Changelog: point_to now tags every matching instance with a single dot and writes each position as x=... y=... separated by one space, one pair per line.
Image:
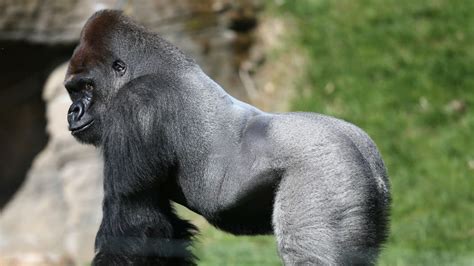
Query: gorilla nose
x=75 y=112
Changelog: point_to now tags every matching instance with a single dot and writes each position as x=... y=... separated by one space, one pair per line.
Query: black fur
x=139 y=225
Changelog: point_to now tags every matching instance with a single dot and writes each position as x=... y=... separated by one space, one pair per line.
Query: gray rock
x=56 y=213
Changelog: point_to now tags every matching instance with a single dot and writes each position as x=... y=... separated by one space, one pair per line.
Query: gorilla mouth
x=81 y=128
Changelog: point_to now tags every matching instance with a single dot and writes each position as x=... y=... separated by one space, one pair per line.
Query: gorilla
x=168 y=133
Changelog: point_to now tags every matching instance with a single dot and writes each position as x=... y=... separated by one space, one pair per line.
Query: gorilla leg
x=302 y=233
x=324 y=220
x=143 y=232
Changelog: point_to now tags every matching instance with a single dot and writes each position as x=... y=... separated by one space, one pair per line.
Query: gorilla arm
x=139 y=225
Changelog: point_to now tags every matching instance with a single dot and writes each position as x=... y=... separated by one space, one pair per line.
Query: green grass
x=396 y=68
x=214 y=247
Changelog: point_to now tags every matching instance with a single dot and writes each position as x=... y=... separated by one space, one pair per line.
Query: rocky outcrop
x=57 y=210
x=24 y=67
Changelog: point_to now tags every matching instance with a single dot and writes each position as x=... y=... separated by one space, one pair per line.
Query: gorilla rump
x=170 y=133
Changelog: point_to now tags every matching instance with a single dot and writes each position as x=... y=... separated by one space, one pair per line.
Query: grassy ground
x=213 y=247
x=402 y=70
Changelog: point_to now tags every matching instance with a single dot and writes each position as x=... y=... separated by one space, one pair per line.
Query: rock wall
x=54 y=216
x=24 y=67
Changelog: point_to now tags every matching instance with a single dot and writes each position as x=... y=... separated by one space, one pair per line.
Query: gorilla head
x=113 y=50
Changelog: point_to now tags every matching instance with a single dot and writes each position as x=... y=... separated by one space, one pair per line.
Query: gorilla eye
x=119 y=66
x=89 y=87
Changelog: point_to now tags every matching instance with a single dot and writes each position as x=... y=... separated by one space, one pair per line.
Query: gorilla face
x=83 y=119
x=90 y=89
x=95 y=73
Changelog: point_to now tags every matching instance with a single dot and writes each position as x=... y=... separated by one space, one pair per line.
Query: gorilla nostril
x=76 y=111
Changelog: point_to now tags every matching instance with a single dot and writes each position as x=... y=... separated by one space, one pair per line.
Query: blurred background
x=402 y=70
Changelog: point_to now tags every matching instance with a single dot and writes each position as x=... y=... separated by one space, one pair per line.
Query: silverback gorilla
x=168 y=133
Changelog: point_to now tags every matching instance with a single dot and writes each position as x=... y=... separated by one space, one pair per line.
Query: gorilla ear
x=119 y=66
